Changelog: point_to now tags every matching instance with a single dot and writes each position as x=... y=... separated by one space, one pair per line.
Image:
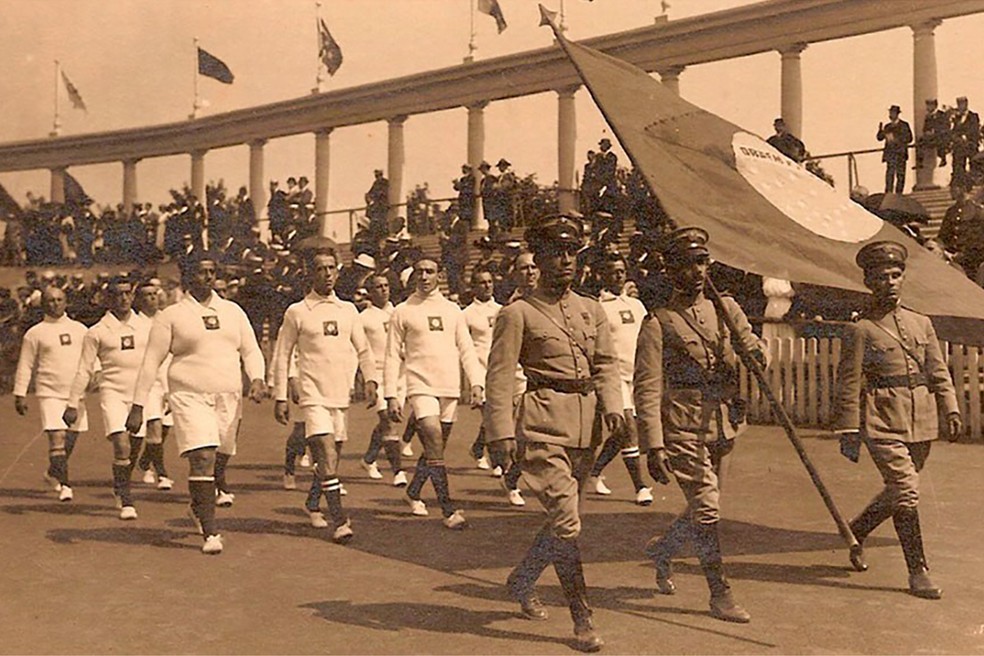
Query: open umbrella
x=896 y=209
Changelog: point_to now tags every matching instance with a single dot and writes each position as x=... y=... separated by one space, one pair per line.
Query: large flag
x=211 y=66
x=74 y=193
x=8 y=206
x=765 y=213
x=329 y=52
x=492 y=8
x=73 y=93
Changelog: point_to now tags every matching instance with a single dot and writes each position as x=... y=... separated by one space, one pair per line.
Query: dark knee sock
x=420 y=476
x=70 y=440
x=375 y=443
x=332 y=489
x=293 y=449
x=146 y=457
x=157 y=459
x=393 y=455
x=608 y=453
x=135 y=444
x=58 y=467
x=630 y=457
x=202 y=491
x=439 y=477
x=221 y=461
x=121 y=481
x=478 y=446
x=410 y=429
x=512 y=476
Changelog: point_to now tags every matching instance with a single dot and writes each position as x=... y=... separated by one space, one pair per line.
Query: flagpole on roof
x=470 y=57
x=320 y=79
x=56 y=125
x=196 y=105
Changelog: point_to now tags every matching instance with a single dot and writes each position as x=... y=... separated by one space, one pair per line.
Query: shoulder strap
x=537 y=306
x=905 y=347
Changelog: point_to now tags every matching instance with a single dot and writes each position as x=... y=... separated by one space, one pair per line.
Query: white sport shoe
x=65 y=493
x=597 y=485
x=148 y=477
x=644 y=496
x=400 y=479
x=516 y=498
x=318 y=519
x=128 y=512
x=483 y=463
x=213 y=545
x=306 y=461
x=456 y=520
x=52 y=482
x=164 y=483
x=407 y=450
x=497 y=471
x=372 y=469
x=343 y=533
x=197 y=523
x=224 y=499
x=290 y=482
x=417 y=507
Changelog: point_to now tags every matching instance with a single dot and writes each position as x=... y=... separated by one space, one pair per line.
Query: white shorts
x=321 y=420
x=444 y=407
x=168 y=418
x=154 y=408
x=628 y=400
x=115 y=408
x=51 y=415
x=206 y=420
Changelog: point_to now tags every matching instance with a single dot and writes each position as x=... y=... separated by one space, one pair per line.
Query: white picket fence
x=802 y=373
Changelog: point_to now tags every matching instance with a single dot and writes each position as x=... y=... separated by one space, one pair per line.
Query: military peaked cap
x=555 y=228
x=686 y=243
x=882 y=253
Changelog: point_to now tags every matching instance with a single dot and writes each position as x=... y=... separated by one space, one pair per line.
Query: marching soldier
x=564 y=345
x=890 y=371
x=685 y=397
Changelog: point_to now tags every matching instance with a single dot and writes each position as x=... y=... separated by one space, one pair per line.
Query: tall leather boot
x=522 y=580
x=567 y=563
x=910 y=535
x=661 y=550
x=870 y=518
x=723 y=604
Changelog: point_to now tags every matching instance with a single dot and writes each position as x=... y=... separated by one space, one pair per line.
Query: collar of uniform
x=63 y=318
x=313 y=298
x=110 y=320
x=549 y=296
x=605 y=295
x=680 y=301
x=434 y=294
x=212 y=299
x=491 y=301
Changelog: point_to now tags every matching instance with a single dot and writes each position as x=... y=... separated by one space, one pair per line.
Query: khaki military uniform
x=685 y=394
x=891 y=380
x=565 y=349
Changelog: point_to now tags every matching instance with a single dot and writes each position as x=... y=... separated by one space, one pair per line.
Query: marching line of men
x=559 y=370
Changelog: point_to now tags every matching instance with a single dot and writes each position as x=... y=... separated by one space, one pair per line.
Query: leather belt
x=562 y=385
x=909 y=381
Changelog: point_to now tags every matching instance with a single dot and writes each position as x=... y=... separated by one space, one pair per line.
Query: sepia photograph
x=491 y=326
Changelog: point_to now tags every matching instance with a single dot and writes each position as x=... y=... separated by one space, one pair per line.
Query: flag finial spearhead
x=548 y=18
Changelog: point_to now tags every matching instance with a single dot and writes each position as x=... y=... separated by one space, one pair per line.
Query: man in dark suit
x=897 y=136
x=465 y=186
x=785 y=142
x=965 y=135
x=936 y=133
x=377 y=205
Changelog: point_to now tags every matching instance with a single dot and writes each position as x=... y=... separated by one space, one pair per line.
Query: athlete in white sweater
x=50 y=351
x=425 y=331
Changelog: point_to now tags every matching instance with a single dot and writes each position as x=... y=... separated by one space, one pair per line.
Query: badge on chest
x=65 y=339
x=211 y=322
x=626 y=316
x=330 y=328
x=126 y=343
x=435 y=324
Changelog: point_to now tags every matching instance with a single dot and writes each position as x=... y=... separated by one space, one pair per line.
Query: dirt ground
x=75 y=579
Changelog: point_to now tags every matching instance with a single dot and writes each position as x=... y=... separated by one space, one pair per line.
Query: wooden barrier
x=803 y=375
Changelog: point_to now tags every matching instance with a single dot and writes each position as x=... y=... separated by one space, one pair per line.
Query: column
x=566 y=142
x=258 y=189
x=198 y=176
x=670 y=77
x=322 y=152
x=791 y=88
x=395 y=157
x=923 y=89
x=129 y=184
x=58 y=184
x=476 y=153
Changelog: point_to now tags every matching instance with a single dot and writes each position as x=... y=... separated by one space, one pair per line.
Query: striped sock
x=202 y=491
x=121 y=481
x=630 y=457
x=332 y=489
x=439 y=476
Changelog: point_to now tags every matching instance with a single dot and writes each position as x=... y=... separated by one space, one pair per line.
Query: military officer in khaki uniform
x=891 y=380
x=688 y=410
x=563 y=342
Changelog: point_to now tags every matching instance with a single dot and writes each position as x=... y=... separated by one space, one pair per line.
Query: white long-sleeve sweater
x=429 y=331
x=51 y=351
x=118 y=347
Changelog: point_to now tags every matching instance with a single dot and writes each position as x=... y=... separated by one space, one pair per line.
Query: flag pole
x=470 y=57
x=56 y=124
x=196 y=105
x=320 y=78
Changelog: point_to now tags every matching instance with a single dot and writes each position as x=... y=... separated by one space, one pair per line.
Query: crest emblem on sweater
x=626 y=316
x=330 y=328
x=211 y=322
x=126 y=343
x=65 y=339
x=435 y=323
